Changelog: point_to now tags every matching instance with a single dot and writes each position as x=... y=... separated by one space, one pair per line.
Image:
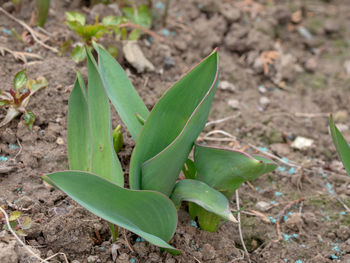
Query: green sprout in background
x=164 y=139
x=109 y=25
x=340 y=144
x=15 y=100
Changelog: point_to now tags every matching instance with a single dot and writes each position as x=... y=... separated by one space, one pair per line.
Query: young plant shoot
x=340 y=144
x=164 y=139
x=16 y=99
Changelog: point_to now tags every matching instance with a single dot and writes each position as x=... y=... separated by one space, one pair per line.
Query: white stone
x=302 y=143
x=263 y=206
x=136 y=58
x=225 y=85
x=234 y=104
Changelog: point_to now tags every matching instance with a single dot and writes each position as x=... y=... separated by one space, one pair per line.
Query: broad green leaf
x=76 y=27
x=76 y=17
x=105 y=162
x=14 y=215
x=226 y=169
x=148 y=214
x=112 y=50
x=78 y=54
x=172 y=127
x=203 y=195
x=121 y=92
x=143 y=17
x=19 y=80
x=43 y=10
x=341 y=145
x=29 y=119
x=79 y=133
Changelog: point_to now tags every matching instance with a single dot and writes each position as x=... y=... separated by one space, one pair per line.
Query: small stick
x=240 y=228
x=222 y=120
x=344 y=205
x=197 y=260
x=147 y=31
x=274 y=156
x=30 y=30
x=127 y=241
x=257 y=213
x=278 y=223
x=20 y=149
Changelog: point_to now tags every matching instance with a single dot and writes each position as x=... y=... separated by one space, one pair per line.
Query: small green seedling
x=41 y=11
x=118 y=140
x=16 y=99
x=340 y=144
x=164 y=139
x=88 y=33
x=18 y=223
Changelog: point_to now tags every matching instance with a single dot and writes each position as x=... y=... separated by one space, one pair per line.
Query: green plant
x=163 y=143
x=76 y=21
x=18 y=223
x=16 y=99
x=340 y=144
x=41 y=12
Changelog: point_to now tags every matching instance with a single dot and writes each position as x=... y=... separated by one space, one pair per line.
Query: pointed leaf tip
x=233 y=219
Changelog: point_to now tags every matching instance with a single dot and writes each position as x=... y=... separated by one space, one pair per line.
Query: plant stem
x=114 y=231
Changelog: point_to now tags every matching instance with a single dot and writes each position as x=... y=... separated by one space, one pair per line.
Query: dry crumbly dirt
x=309 y=79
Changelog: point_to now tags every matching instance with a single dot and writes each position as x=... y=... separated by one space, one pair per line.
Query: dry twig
x=30 y=30
x=19 y=55
x=278 y=223
x=240 y=227
x=27 y=247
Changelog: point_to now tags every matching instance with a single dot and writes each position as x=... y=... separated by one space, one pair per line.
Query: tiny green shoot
x=15 y=100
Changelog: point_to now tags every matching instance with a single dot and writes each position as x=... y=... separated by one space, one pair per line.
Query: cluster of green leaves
x=110 y=24
x=18 y=223
x=341 y=145
x=16 y=99
x=163 y=143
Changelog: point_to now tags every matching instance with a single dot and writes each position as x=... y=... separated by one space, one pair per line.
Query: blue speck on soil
x=336 y=248
x=263 y=149
x=285 y=259
x=285 y=218
x=140 y=239
x=6 y=31
x=291 y=171
x=193 y=223
x=273 y=221
x=278 y=194
x=132 y=260
x=165 y=32
x=13 y=146
x=330 y=188
x=290 y=213
x=299 y=261
x=302 y=245
x=29 y=50
x=281 y=168
x=3 y=158
x=273 y=202
x=287 y=237
x=160 y=5
x=343 y=213
x=150 y=39
x=334 y=256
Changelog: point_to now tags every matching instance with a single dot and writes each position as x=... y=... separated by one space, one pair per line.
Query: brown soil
x=271 y=108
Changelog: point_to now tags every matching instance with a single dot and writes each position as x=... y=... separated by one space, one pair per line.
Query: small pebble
x=262 y=89
x=302 y=143
x=263 y=206
x=264 y=101
x=59 y=141
x=234 y=104
x=225 y=85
